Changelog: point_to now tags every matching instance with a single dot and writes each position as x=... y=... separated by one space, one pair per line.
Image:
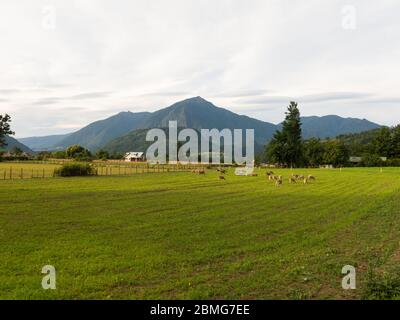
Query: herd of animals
x=278 y=179
x=292 y=179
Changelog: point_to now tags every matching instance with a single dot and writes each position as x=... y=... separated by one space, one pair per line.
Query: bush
x=371 y=160
x=393 y=162
x=76 y=170
x=382 y=286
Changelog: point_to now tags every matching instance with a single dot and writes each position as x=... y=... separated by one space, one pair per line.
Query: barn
x=134 y=157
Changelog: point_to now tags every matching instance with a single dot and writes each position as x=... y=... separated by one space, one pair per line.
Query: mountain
x=98 y=133
x=14 y=143
x=195 y=113
x=42 y=143
x=198 y=113
x=332 y=126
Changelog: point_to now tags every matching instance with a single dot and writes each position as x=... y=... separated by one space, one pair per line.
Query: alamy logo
x=210 y=139
x=349 y=280
x=49 y=280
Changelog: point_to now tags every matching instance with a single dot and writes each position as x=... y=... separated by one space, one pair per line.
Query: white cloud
x=101 y=57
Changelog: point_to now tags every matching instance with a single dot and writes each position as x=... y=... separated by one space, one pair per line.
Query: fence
x=14 y=172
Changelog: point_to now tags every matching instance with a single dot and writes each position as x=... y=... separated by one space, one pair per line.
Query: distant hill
x=133 y=141
x=332 y=126
x=13 y=143
x=98 y=133
x=361 y=142
x=42 y=143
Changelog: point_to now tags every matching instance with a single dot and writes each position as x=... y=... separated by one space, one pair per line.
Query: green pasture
x=187 y=236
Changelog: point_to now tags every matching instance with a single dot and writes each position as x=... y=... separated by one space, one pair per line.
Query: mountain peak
x=193 y=101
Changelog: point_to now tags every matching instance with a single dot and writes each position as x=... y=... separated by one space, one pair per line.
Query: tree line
x=79 y=153
x=75 y=152
x=286 y=149
x=377 y=147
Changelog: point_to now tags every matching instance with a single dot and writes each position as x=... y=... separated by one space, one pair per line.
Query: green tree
x=102 y=155
x=74 y=150
x=78 y=153
x=336 y=153
x=5 y=128
x=371 y=160
x=43 y=155
x=314 y=151
x=59 y=154
x=395 y=143
x=287 y=146
x=276 y=150
x=116 y=156
x=291 y=130
x=382 y=144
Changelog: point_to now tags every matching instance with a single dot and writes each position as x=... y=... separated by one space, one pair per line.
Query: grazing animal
x=301 y=177
x=201 y=172
x=305 y=180
x=221 y=178
x=254 y=175
x=278 y=182
x=310 y=177
x=292 y=180
x=223 y=171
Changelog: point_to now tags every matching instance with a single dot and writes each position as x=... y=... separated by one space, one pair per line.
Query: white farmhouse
x=134 y=157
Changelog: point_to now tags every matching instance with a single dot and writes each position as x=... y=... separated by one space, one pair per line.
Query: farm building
x=134 y=157
x=360 y=159
x=355 y=159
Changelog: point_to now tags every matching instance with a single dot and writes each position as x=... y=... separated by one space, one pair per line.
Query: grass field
x=185 y=236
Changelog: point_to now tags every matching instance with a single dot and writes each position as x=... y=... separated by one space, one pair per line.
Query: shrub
x=382 y=286
x=76 y=170
x=371 y=160
x=393 y=162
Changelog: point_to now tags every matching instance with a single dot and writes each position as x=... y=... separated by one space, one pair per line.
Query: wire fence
x=42 y=171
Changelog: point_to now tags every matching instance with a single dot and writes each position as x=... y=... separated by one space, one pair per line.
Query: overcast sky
x=66 y=63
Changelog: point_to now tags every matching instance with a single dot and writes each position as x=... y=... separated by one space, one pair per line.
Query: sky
x=66 y=63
